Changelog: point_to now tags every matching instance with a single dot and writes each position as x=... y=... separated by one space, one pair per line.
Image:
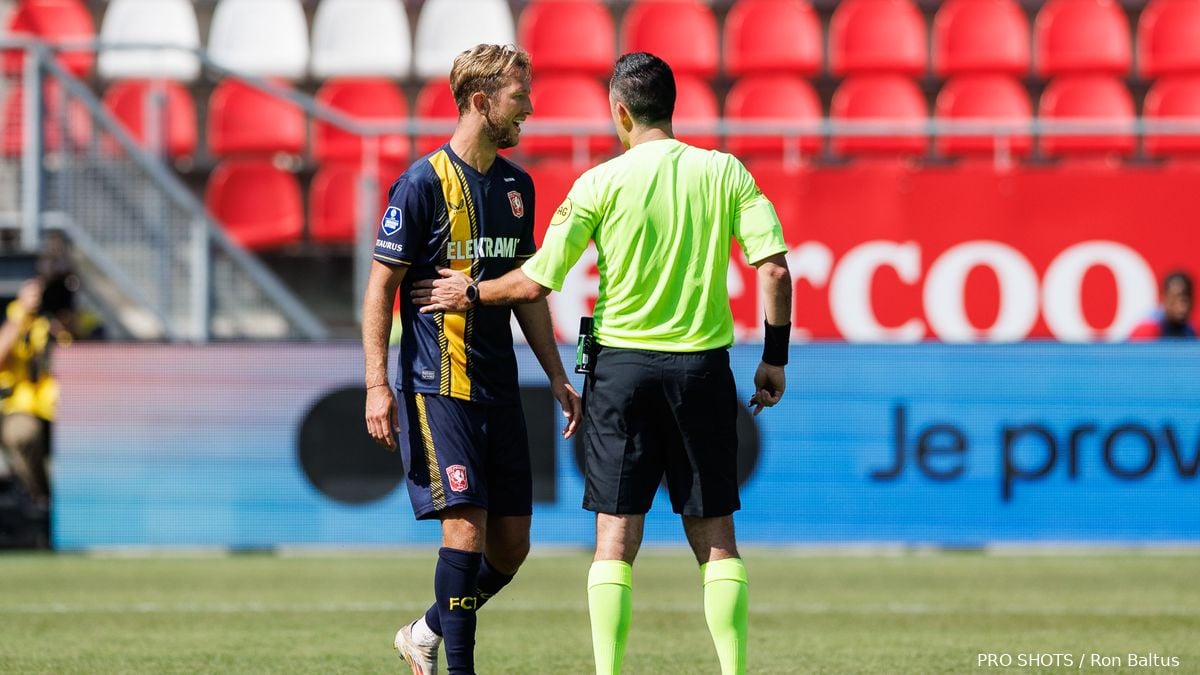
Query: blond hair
x=484 y=68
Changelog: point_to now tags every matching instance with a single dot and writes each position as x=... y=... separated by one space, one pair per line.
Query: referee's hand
x=769 y=383
x=381 y=416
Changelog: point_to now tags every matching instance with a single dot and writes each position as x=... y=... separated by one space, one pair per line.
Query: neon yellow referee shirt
x=662 y=215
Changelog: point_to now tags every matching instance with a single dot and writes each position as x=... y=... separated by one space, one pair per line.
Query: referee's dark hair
x=645 y=84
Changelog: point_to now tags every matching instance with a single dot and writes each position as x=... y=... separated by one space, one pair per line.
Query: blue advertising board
x=252 y=446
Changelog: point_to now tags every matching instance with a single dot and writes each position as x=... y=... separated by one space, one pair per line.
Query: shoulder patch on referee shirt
x=561 y=213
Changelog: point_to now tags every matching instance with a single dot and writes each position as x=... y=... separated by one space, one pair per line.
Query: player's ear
x=480 y=102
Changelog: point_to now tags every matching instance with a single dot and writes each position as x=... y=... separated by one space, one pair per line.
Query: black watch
x=472 y=293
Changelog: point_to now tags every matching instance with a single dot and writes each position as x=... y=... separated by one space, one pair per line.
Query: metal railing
x=157 y=261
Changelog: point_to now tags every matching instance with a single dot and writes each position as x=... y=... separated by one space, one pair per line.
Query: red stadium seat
x=367 y=99
x=1087 y=98
x=55 y=21
x=772 y=37
x=882 y=98
x=242 y=119
x=1081 y=37
x=130 y=100
x=75 y=121
x=980 y=36
x=877 y=36
x=991 y=97
x=772 y=97
x=572 y=36
x=1169 y=38
x=568 y=98
x=1176 y=97
x=333 y=197
x=681 y=32
x=258 y=204
x=435 y=102
x=553 y=179
x=695 y=103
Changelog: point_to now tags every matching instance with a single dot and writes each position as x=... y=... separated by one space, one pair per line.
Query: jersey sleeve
x=755 y=225
x=571 y=228
x=404 y=228
x=528 y=246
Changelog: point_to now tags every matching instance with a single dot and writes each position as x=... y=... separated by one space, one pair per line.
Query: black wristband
x=775 y=344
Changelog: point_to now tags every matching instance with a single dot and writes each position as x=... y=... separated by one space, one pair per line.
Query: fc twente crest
x=518 y=206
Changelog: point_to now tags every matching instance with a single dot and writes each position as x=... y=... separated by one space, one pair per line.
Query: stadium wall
x=258 y=446
x=891 y=253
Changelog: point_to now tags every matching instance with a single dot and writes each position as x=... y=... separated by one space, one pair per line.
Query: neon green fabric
x=663 y=216
x=610 y=604
x=726 y=608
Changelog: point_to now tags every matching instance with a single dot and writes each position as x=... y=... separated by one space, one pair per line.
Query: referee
x=662 y=398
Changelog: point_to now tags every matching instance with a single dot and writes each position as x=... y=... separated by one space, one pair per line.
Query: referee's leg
x=726 y=596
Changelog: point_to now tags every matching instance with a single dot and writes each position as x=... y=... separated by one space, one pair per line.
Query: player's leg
x=505 y=548
x=441 y=446
x=510 y=505
x=702 y=480
x=455 y=580
x=622 y=467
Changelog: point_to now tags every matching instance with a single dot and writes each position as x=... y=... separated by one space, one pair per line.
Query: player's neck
x=658 y=132
x=474 y=149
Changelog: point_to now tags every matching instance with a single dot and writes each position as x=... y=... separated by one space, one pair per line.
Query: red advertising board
x=891 y=253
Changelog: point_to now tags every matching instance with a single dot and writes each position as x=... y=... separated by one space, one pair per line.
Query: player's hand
x=445 y=294
x=381 y=416
x=572 y=405
x=769 y=383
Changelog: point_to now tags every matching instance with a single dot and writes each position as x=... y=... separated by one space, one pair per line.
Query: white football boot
x=420 y=655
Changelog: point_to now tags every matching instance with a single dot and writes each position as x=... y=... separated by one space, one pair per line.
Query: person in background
x=30 y=392
x=1172 y=319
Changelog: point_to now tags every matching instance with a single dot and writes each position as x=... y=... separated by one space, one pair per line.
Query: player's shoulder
x=419 y=176
x=510 y=167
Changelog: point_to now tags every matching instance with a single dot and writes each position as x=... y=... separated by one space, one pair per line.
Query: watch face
x=472 y=293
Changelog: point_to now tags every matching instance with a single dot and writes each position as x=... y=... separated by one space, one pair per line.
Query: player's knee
x=509 y=557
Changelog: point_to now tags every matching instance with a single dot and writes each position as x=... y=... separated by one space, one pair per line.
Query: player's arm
x=377 y=327
x=538 y=328
x=401 y=235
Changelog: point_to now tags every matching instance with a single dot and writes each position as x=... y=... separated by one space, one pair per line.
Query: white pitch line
x=910 y=609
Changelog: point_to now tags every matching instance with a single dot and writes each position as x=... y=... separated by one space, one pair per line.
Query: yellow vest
x=26 y=371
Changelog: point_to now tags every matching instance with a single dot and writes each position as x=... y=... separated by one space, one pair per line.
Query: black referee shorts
x=649 y=414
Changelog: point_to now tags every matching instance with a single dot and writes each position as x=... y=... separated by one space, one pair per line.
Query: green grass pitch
x=914 y=613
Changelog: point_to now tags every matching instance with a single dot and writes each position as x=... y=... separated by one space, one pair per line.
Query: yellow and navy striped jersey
x=443 y=213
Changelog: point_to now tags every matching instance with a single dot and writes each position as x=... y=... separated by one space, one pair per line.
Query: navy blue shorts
x=458 y=452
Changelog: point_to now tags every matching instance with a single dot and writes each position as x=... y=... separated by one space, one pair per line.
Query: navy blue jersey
x=443 y=213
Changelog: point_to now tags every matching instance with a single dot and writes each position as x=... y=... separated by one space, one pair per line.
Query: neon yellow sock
x=610 y=604
x=726 y=605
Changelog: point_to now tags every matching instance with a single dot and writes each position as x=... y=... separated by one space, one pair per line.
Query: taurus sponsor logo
x=453 y=206
x=518 y=206
x=391 y=246
x=484 y=247
x=392 y=220
x=457 y=474
x=561 y=213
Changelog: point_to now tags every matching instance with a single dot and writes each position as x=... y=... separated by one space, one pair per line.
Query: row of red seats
x=243 y=120
x=1070 y=36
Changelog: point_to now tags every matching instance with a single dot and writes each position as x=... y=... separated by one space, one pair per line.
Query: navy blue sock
x=489 y=583
x=454 y=582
